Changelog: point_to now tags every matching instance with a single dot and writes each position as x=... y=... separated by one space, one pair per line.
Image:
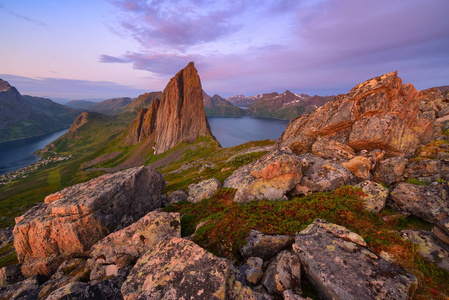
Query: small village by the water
x=25 y=171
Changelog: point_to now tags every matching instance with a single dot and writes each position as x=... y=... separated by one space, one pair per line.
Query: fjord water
x=18 y=154
x=235 y=131
x=228 y=131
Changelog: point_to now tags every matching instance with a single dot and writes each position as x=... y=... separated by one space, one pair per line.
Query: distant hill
x=27 y=116
x=107 y=107
x=217 y=106
x=116 y=105
x=285 y=106
x=143 y=101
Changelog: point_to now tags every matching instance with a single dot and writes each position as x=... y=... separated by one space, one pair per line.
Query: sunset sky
x=113 y=48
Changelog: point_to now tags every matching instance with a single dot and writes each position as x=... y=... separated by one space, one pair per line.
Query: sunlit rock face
x=380 y=113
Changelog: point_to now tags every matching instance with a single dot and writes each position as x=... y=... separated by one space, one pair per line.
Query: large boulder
x=430 y=203
x=178 y=269
x=123 y=247
x=265 y=246
x=270 y=177
x=203 y=189
x=321 y=175
x=337 y=262
x=71 y=221
x=380 y=113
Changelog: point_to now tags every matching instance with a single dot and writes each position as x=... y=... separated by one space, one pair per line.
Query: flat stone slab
x=337 y=262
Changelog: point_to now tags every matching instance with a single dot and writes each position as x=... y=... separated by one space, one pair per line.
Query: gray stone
x=376 y=195
x=337 y=262
x=27 y=289
x=178 y=269
x=283 y=273
x=10 y=275
x=328 y=148
x=429 y=247
x=390 y=171
x=177 y=196
x=6 y=236
x=431 y=168
x=254 y=271
x=265 y=246
x=322 y=175
x=70 y=271
x=430 y=203
x=441 y=230
x=271 y=177
x=203 y=190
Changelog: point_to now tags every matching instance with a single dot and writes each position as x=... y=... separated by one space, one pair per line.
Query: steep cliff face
x=380 y=113
x=181 y=116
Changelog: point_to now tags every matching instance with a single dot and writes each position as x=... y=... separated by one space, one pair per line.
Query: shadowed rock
x=74 y=219
x=337 y=263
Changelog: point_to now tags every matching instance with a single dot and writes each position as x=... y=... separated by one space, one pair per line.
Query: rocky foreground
x=108 y=239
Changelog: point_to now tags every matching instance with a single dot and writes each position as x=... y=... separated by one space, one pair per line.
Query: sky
x=100 y=49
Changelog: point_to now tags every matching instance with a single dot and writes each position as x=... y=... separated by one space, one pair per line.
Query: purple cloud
x=263 y=46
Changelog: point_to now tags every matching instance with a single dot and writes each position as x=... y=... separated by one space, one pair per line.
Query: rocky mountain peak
x=4 y=85
x=181 y=116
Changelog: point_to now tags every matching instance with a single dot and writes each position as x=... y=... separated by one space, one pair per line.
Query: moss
x=417 y=181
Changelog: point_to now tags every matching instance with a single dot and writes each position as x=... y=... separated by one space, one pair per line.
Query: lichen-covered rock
x=321 y=175
x=375 y=195
x=6 y=236
x=125 y=246
x=430 y=203
x=10 y=275
x=270 y=177
x=178 y=269
x=328 y=148
x=390 y=171
x=338 y=264
x=441 y=230
x=176 y=196
x=107 y=289
x=380 y=113
x=203 y=190
x=27 y=289
x=429 y=247
x=283 y=273
x=70 y=271
x=290 y=295
x=359 y=166
x=265 y=246
x=74 y=219
x=427 y=168
x=254 y=272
